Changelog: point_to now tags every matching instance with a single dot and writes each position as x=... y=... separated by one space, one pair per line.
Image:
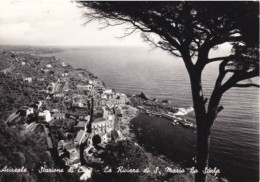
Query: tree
x=190 y=30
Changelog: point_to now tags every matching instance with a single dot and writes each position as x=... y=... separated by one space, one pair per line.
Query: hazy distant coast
x=34 y=49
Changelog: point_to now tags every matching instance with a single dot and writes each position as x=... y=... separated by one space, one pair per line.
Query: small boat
x=188 y=125
x=156 y=114
x=175 y=121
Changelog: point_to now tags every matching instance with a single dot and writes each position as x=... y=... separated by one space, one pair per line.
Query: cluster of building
x=74 y=99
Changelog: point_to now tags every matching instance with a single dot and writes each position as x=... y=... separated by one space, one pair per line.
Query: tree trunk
x=203 y=127
x=204 y=124
x=203 y=141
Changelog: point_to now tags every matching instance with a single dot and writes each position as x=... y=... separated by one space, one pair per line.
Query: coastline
x=128 y=114
x=135 y=151
x=230 y=149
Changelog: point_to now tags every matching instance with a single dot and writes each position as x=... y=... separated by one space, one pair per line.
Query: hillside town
x=78 y=118
x=72 y=107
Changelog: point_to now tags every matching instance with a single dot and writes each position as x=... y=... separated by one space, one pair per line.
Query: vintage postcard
x=137 y=91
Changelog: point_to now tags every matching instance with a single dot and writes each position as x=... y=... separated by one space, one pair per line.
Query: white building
x=104 y=96
x=101 y=125
x=27 y=79
x=64 y=74
x=84 y=87
x=45 y=70
x=111 y=117
x=58 y=95
x=96 y=83
x=105 y=113
x=79 y=104
x=63 y=64
x=51 y=88
x=48 y=66
x=121 y=98
x=108 y=92
x=40 y=79
x=44 y=116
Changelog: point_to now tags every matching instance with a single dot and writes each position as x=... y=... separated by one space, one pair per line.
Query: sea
x=234 y=145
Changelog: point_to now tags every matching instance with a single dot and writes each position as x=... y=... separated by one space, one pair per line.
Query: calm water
x=235 y=134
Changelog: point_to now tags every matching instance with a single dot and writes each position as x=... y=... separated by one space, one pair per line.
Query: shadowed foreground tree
x=190 y=30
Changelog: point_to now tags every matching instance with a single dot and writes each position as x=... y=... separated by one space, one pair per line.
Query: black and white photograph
x=129 y=91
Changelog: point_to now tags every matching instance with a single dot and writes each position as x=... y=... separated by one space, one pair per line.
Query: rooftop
x=99 y=120
x=81 y=124
x=79 y=135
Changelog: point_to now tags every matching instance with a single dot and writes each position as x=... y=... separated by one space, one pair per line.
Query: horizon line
x=89 y=45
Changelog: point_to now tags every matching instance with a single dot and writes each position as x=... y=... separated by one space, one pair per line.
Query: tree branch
x=156 y=45
x=237 y=77
x=220 y=108
x=247 y=85
x=220 y=59
x=127 y=33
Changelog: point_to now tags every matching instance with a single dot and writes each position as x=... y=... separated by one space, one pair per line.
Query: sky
x=55 y=23
x=60 y=23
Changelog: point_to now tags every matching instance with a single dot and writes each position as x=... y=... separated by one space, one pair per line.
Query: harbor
x=173 y=114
